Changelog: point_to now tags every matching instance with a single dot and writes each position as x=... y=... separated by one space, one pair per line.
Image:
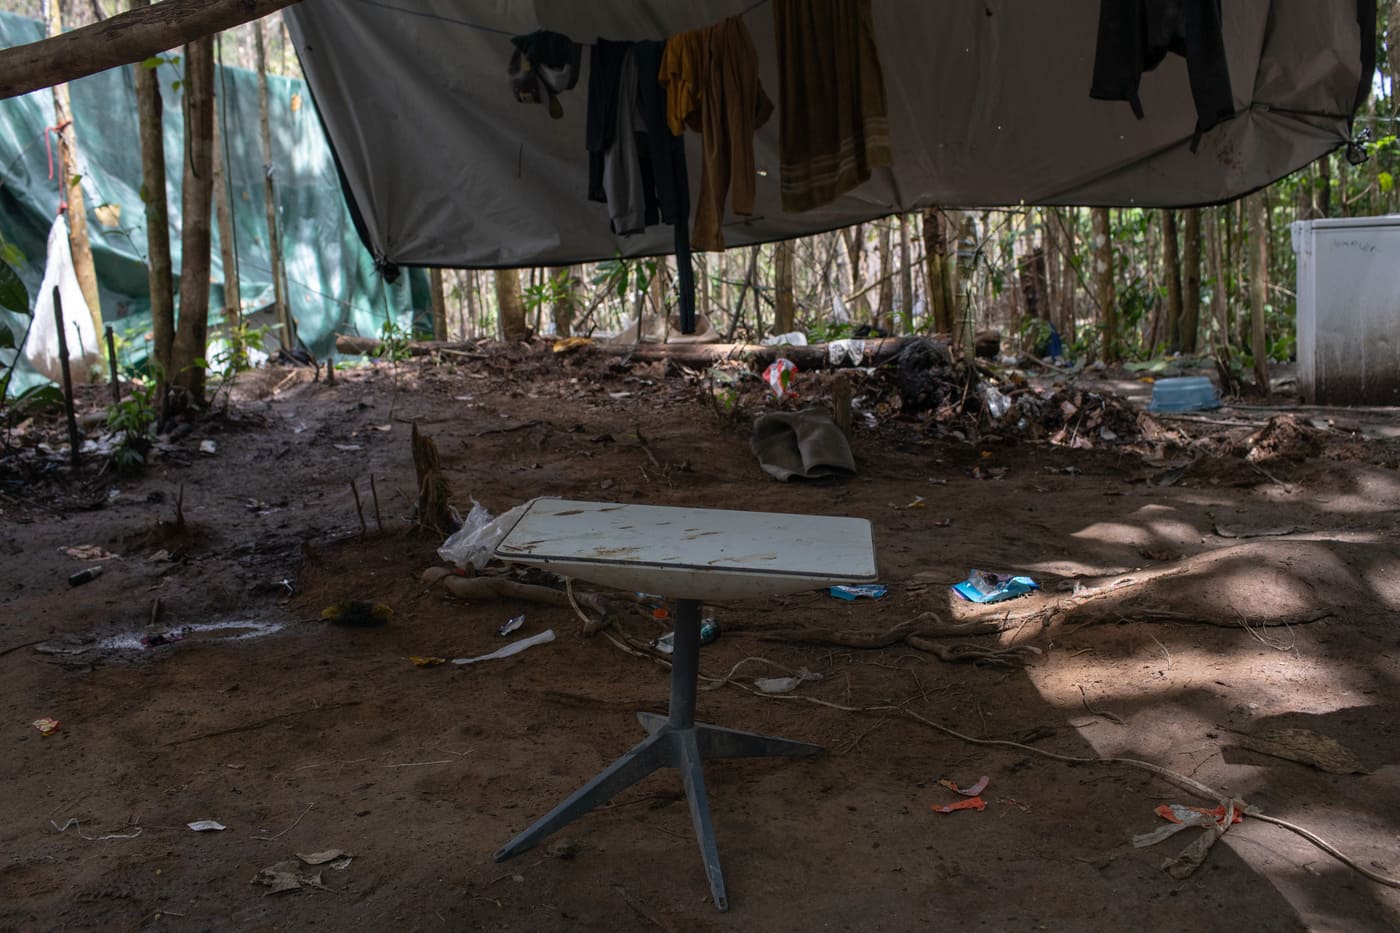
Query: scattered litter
x=841 y=352
x=998 y=403
x=917 y=503
x=161 y=638
x=329 y=857
x=779 y=375
x=47 y=726
x=1303 y=746
x=422 y=661
x=207 y=826
x=512 y=625
x=475 y=542
x=513 y=648
x=785 y=684
x=709 y=631
x=382 y=427
x=858 y=591
x=358 y=612
x=84 y=576
x=974 y=791
x=207 y=446
x=286 y=876
x=983 y=587
x=160 y=557
x=619 y=396
x=348 y=447
x=568 y=344
x=74 y=822
x=1226 y=532
x=792 y=339
x=89 y=552
x=971 y=803
x=244 y=629
x=1180 y=817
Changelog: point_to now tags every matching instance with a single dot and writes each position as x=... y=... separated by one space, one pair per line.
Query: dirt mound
x=1284 y=438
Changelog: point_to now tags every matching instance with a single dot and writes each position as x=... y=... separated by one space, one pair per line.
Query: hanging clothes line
x=491 y=29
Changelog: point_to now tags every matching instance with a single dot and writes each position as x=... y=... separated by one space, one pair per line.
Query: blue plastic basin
x=1188 y=393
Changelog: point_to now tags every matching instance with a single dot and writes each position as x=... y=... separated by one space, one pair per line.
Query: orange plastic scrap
x=973 y=791
x=1179 y=813
x=971 y=803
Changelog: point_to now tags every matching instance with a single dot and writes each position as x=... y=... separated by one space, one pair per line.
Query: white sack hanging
x=41 y=347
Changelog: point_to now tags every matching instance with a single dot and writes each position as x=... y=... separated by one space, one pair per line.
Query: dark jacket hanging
x=1136 y=35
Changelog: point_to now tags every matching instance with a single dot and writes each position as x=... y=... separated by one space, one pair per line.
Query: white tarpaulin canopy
x=988 y=104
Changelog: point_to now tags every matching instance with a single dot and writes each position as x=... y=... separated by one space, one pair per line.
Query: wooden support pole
x=74 y=442
x=112 y=362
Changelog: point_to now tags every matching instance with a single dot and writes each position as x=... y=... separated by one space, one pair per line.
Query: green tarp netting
x=332 y=283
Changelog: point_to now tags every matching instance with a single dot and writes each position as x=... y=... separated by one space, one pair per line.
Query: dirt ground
x=1200 y=582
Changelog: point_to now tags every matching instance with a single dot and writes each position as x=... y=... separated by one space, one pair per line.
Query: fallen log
x=346 y=344
x=816 y=356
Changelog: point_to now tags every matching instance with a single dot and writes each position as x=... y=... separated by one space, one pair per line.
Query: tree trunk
x=904 y=324
x=511 y=306
x=283 y=313
x=784 y=304
x=1104 y=294
x=1191 y=282
x=125 y=39
x=702 y=285
x=191 y=333
x=70 y=183
x=854 y=238
x=439 y=302
x=149 y=112
x=884 y=299
x=938 y=271
x=228 y=252
x=1323 y=199
x=964 y=323
x=1259 y=287
x=1171 y=271
x=473 y=324
x=1219 y=293
x=1069 y=272
x=566 y=307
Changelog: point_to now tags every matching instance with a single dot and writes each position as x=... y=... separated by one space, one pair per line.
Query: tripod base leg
x=655 y=751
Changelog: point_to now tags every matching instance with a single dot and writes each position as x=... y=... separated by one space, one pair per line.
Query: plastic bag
x=475 y=542
x=41 y=347
x=998 y=402
x=839 y=352
x=779 y=375
x=983 y=587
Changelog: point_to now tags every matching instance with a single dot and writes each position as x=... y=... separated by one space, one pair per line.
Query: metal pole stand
x=675 y=741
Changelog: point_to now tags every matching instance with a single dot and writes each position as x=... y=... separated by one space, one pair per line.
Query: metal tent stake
x=675 y=741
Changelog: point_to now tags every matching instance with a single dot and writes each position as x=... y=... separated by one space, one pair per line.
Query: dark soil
x=1201 y=576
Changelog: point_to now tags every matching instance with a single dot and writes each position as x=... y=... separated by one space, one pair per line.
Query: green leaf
x=1387 y=182
x=175 y=85
x=39 y=396
x=7 y=339
x=13 y=295
x=155 y=61
x=11 y=254
x=74 y=180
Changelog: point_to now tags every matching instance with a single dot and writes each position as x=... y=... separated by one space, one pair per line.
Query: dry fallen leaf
x=1303 y=746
